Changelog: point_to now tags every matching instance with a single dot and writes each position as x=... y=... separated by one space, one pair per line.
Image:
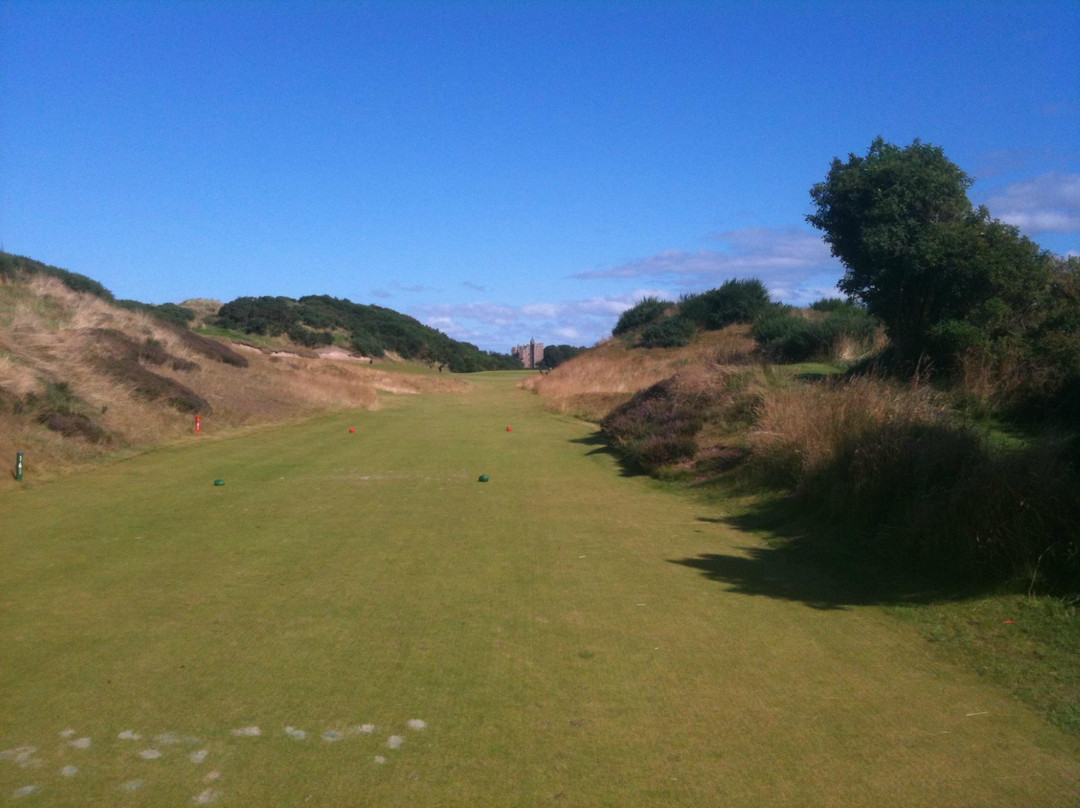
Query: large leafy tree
x=940 y=274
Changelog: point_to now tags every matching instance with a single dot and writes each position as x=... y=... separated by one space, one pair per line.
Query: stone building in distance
x=531 y=355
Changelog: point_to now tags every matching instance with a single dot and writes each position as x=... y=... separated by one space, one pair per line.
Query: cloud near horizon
x=1050 y=203
x=794 y=264
x=498 y=327
x=775 y=255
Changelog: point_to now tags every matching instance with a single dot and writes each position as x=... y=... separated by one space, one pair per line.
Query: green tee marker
x=219 y=482
x=484 y=478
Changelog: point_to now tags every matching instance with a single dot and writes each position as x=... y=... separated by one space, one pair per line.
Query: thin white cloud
x=395 y=287
x=541 y=310
x=497 y=327
x=1050 y=203
x=804 y=293
x=1009 y=161
x=794 y=264
x=767 y=253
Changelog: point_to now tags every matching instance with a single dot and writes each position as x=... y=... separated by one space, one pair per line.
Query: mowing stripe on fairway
x=354 y=619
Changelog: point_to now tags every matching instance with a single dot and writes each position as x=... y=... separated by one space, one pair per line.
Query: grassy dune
x=558 y=630
x=51 y=335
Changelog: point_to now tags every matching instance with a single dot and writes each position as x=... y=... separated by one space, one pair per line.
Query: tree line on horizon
x=311 y=321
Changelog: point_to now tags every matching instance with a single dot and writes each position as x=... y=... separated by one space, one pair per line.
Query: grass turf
x=534 y=622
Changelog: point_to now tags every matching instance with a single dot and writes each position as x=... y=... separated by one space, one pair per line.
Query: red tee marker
x=352 y=429
x=509 y=429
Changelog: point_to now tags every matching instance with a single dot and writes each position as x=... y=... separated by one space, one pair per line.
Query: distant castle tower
x=531 y=355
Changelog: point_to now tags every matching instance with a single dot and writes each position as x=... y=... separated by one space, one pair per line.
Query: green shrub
x=152 y=351
x=61 y=410
x=669 y=332
x=555 y=355
x=830 y=305
x=166 y=312
x=80 y=283
x=308 y=338
x=949 y=341
x=734 y=301
x=656 y=427
x=258 y=315
x=366 y=344
x=640 y=314
x=12 y=265
x=786 y=338
x=75 y=425
x=660 y=425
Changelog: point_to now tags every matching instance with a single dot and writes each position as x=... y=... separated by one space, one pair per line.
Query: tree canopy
x=645 y=311
x=936 y=271
x=555 y=355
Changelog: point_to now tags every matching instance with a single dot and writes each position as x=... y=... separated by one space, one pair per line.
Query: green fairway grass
x=553 y=635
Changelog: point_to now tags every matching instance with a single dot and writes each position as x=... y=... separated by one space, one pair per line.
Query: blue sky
x=505 y=170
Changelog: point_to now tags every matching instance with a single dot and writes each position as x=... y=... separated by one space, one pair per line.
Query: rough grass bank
x=886 y=484
x=82 y=379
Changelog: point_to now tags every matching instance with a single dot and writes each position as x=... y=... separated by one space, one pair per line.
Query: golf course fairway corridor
x=354 y=619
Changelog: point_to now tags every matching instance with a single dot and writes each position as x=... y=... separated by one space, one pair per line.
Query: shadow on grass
x=600 y=446
x=804 y=563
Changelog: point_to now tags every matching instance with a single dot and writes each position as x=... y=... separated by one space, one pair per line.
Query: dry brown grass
x=594 y=383
x=1000 y=382
x=903 y=482
x=799 y=427
x=204 y=308
x=50 y=334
